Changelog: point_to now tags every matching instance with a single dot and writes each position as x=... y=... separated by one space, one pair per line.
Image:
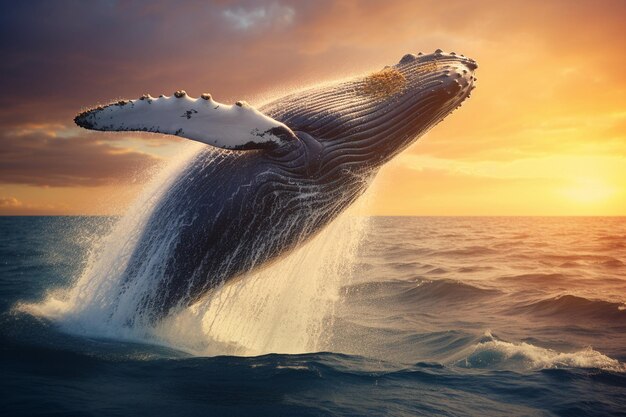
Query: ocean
x=380 y=316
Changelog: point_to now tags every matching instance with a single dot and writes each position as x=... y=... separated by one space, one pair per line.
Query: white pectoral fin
x=238 y=126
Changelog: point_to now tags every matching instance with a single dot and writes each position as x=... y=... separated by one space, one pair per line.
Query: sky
x=544 y=133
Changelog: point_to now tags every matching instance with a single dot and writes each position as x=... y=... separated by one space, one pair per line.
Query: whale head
x=369 y=119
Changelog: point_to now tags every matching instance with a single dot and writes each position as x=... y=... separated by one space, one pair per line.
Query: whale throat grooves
x=255 y=209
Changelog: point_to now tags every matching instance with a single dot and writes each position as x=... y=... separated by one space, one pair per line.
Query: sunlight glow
x=589 y=191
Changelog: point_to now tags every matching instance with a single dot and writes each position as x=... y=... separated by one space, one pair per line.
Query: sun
x=589 y=191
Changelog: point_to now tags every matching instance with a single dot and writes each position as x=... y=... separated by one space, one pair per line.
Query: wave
x=437 y=271
x=537 y=278
x=612 y=242
x=468 y=251
x=471 y=269
x=411 y=267
x=449 y=290
x=575 y=259
x=492 y=353
x=612 y=263
x=421 y=291
x=612 y=238
x=575 y=308
x=570 y=264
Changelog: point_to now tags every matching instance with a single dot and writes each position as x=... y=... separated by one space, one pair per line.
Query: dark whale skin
x=230 y=212
x=233 y=212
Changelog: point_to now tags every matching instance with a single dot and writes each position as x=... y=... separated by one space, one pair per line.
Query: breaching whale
x=284 y=172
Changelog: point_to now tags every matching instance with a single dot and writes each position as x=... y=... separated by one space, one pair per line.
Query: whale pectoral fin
x=239 y=126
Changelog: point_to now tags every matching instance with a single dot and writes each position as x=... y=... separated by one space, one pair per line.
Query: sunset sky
x=544 y=133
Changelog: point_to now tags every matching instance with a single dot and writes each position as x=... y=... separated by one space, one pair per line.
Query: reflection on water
x=437 y=286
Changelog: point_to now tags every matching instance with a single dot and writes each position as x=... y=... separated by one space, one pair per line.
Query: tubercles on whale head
x=407 y=99
x=408 y=58
x=436 y=84
x=180 y=93
x=386 y=111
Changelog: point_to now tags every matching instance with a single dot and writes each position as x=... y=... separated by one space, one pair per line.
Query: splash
x=493 y=353
x=286 y=307
x=87 y=306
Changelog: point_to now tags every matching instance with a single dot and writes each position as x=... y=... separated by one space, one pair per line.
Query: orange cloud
x=10 y=203
x=10 y=206
x=43 y=159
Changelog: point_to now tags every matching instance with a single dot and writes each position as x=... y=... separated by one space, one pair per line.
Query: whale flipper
x=238 y=127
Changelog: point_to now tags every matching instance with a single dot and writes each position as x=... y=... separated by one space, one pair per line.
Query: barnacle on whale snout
x=384 y=83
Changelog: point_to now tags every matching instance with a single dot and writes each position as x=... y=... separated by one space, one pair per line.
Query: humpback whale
x=272 y=177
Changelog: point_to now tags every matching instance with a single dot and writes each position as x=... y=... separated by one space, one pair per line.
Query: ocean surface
x=398 y=316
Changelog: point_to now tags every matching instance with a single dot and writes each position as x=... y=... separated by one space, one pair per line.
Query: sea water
x=376 y=316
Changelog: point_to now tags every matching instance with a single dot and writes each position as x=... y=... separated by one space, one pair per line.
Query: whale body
x=283 y=173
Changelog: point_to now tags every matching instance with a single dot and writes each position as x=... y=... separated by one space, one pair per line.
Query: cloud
x=42 y=159
x=249 y=18
x=12 y=206
x=549 y=82
x=10 y=203
x=56 y=64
